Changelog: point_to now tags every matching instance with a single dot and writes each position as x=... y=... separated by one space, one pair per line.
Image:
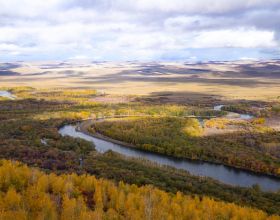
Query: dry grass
x=224 y=80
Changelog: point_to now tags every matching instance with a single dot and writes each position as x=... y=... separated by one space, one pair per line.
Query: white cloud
x=126 y=29
x=201 y=6
x=235 y=38
x=79 y=57
x=28 y=8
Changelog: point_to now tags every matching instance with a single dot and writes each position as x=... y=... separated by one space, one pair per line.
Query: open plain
x=173 y=82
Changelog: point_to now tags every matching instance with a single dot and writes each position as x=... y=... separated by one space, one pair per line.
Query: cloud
x=235 y=38
x=135 y=29
x=203 y=6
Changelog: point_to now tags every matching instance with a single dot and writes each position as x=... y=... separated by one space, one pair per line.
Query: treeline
x=30 y=194
x=74 y=95
x=141 y=172
x=82 y=100
x=246 y=108
x=180 y=137
x=40 y=134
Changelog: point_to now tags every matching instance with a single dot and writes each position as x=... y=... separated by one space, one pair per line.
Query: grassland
x=229 y=81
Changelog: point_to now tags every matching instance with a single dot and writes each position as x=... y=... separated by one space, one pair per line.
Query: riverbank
x=182 y=138
x=215 y=170
x=84 y=128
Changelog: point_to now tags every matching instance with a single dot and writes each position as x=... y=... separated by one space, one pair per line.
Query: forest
x=28 y=193
x=181 y=137
x=29 y=133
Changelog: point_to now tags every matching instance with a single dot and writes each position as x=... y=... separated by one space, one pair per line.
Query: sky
x=144 y=30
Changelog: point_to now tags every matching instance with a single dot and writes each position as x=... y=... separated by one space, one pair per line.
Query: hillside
x=27 y=193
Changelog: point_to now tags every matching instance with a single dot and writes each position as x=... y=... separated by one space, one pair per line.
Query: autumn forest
x=46 y=175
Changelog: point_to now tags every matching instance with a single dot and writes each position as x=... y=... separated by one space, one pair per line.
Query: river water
x=228 y=175
x=233 y=114
x=6 y=94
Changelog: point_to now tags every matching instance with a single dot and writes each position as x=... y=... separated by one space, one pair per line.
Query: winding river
x=228 y=175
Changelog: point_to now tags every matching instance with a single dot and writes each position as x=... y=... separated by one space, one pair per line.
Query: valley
x=218 y=145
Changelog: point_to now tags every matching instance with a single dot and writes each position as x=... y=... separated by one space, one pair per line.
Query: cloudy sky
x=139 y=29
